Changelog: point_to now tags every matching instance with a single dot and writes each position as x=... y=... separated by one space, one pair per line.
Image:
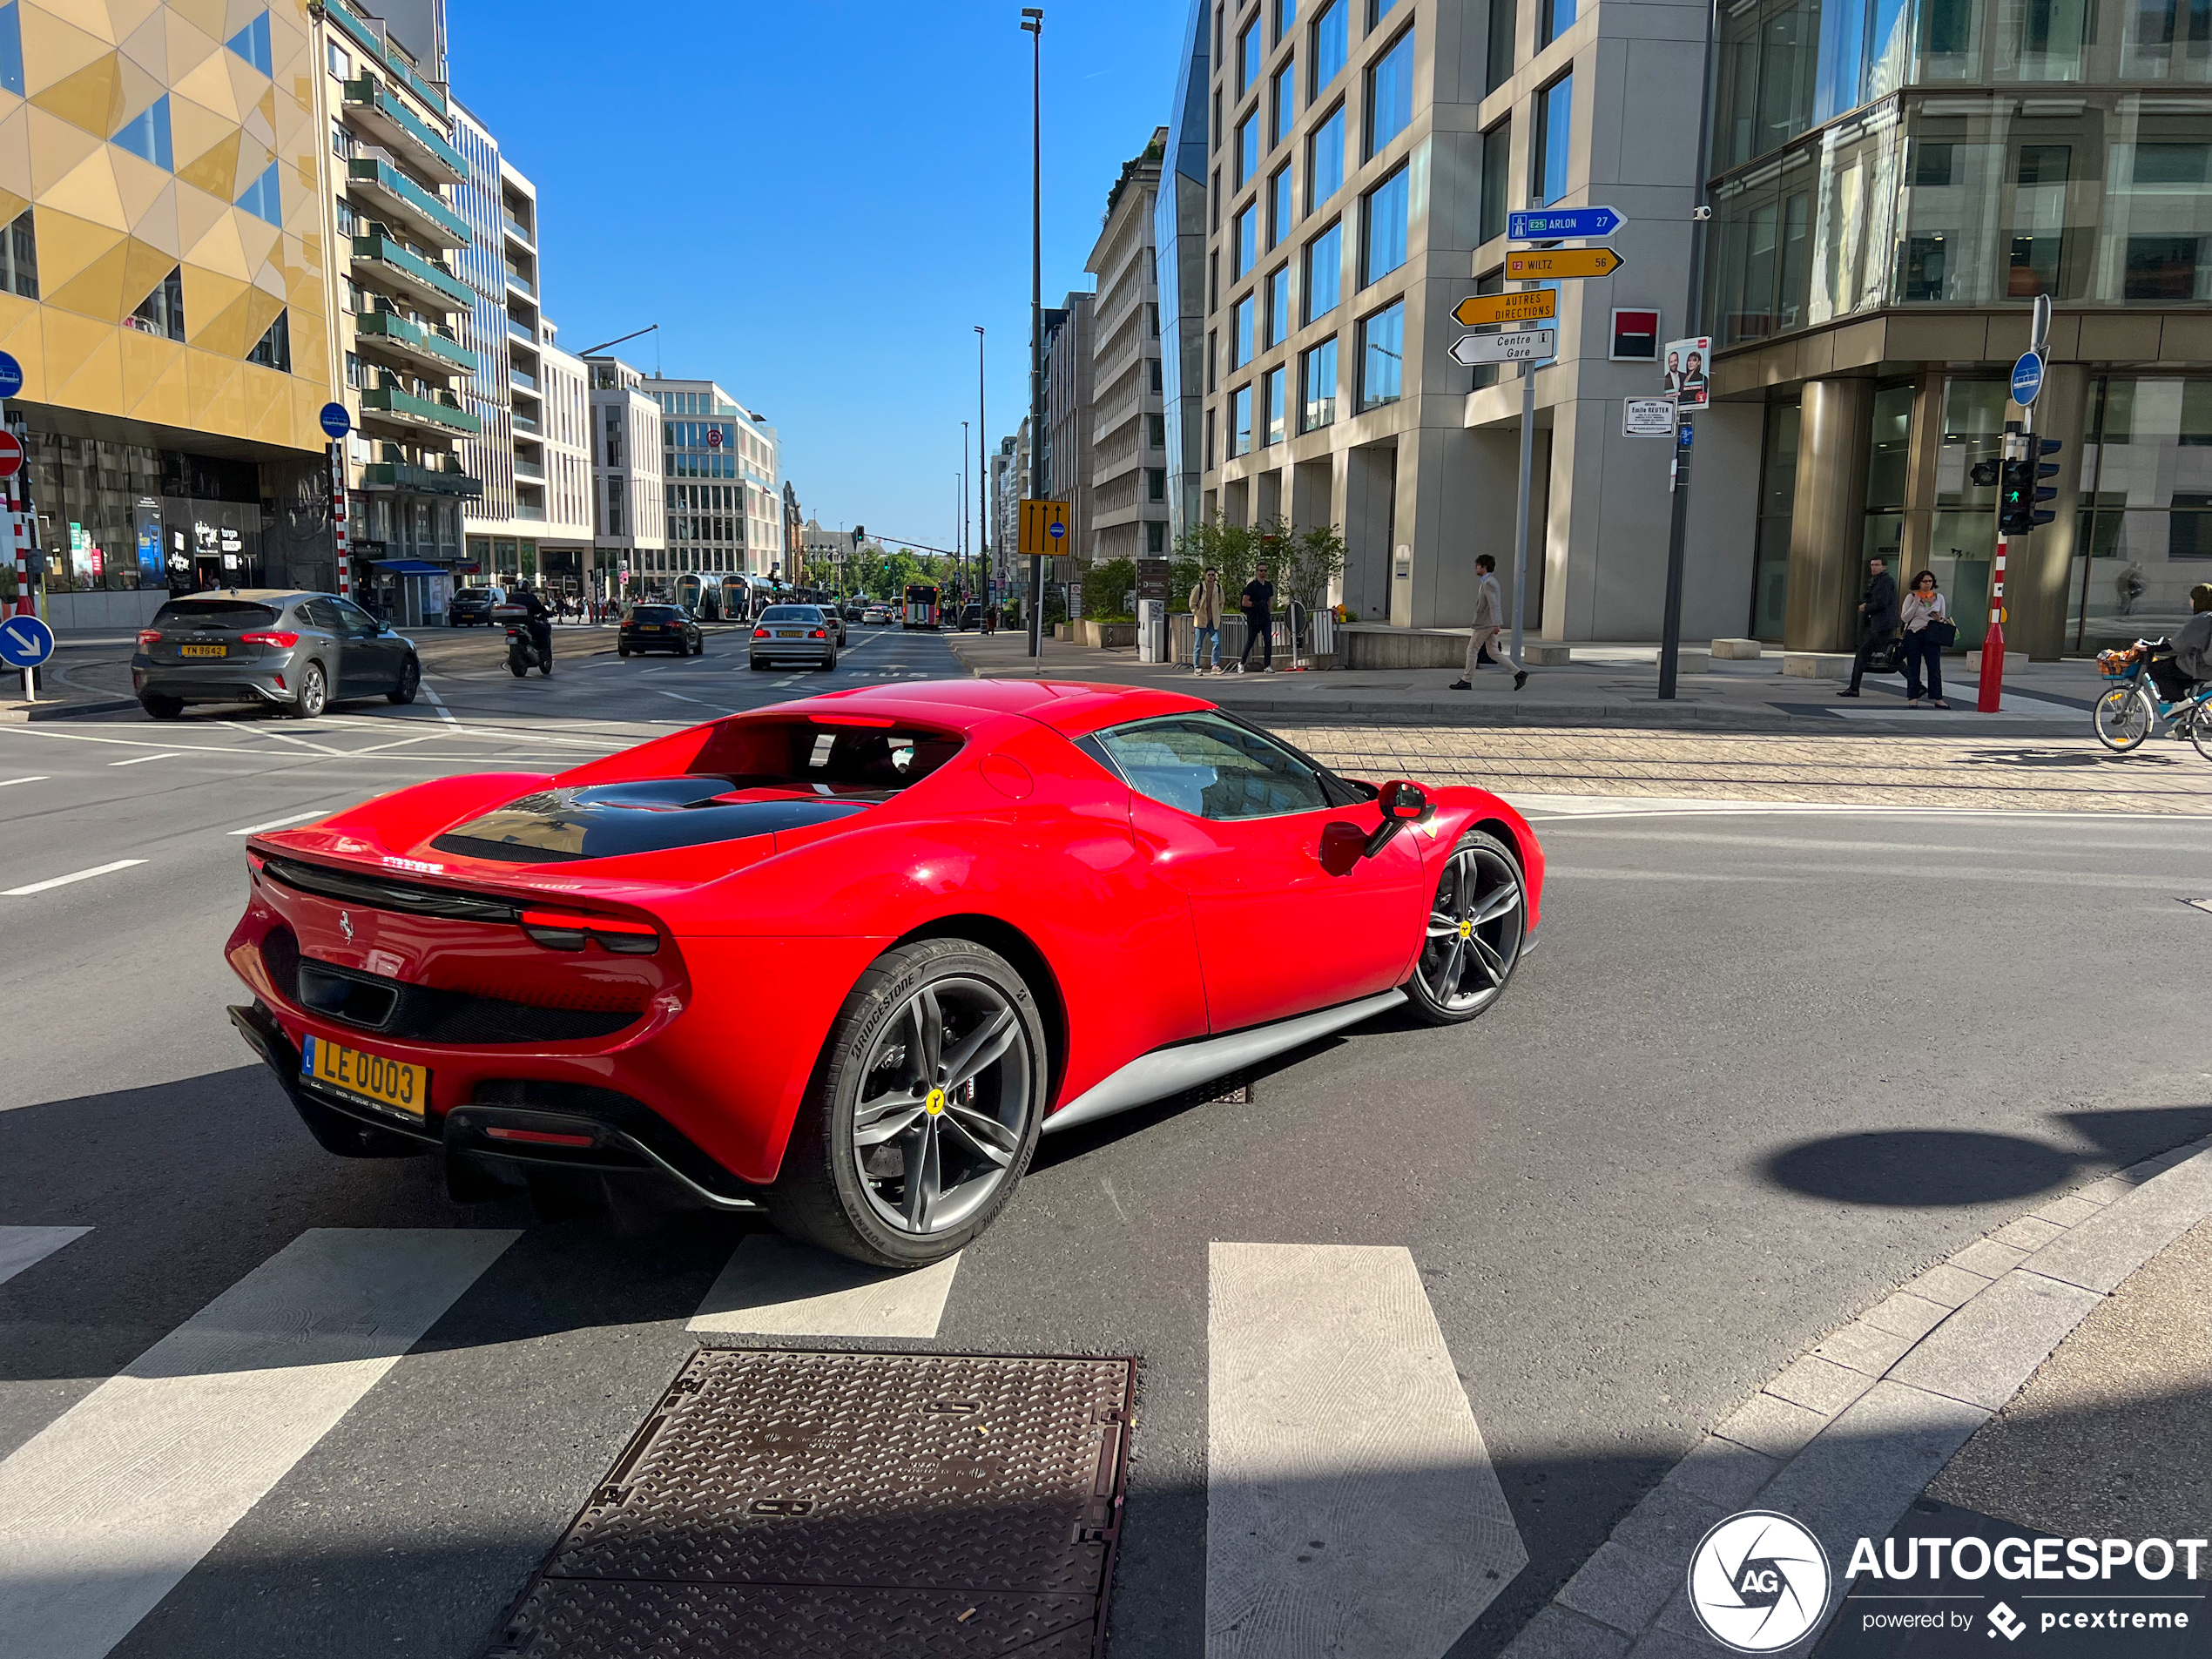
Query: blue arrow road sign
x=26 y=642
x=1562 y=222
x=336 y=422
x=10 y=375
x=1056 y=530
x=2027 y=378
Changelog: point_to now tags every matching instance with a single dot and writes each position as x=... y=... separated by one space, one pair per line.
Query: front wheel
x=924 y=1112
x=2123 y=719
x=410 y=682
x=2200 y=729
x=1475 y=925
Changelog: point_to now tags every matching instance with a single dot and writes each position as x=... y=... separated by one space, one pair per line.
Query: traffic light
x=1983 y=474
x=2020 y=495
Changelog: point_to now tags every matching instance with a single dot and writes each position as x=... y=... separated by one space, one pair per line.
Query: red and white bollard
x=1993 y=643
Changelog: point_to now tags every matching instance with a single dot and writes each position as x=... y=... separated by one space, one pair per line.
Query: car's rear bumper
x=814 y=652
x=217 y=683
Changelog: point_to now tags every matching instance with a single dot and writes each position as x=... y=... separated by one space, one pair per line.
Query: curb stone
x=1845 y=1436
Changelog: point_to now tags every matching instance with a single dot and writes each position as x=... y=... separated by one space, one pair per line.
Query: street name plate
x=1647 y=417
x=1477 y=309
x=779 y=1502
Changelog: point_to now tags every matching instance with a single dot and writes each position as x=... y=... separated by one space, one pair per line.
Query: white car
x=879 y=615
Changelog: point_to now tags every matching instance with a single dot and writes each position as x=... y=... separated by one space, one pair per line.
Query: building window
x=1558 y=16
x=1217 y=120
x=19 y=257
x=1497 y=156
x=1244 y=242
x=1156 y=386
x=1240 y=421
x=1555 y=139
x=1280 y=217
x=1156 y=483
x=1382 y=242
x=1271 y=402
x=341 y=67
x=1328 y=45
x=162 y=312
x=1325 y=160
x=1213 y=360
x=1282 y=102
x=1285 y=19
x=1240 y=332
x=354 y=376
x=1155 y=431
x=1213 y=282
x=1497 y=67
x=1390 y=93
x=1382 y=357
x=1378 y=10
x=1316 y=374
x=1155 y=536
x=1247 y=148
x=275 y=349
x=1324 y=272
x=1278 y=305
x=1249 y=47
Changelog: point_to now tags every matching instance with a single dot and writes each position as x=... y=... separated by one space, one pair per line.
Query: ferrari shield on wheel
x=1476 y=924
x=926 y=1111
x=2123 y=719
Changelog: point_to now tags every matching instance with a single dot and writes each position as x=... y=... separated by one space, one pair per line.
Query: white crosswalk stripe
x=774 y=1287
x=22 y=1247
x=104 y=1510
x=1351 y=1509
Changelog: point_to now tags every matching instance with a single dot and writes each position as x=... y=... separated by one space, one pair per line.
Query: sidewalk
x=1607 y=684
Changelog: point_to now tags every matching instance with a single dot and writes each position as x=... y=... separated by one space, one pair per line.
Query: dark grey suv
x=299 y=652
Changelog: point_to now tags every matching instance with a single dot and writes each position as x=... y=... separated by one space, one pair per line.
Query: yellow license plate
x=368 y=1076
x=203 y=651
x=788 y=633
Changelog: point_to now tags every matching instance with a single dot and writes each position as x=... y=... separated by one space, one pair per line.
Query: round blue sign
x=10 y=375
x=26 y=642
x=2027 y=378
x=335 y=422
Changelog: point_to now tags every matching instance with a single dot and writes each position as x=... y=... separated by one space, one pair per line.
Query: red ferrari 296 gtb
x=847 y=958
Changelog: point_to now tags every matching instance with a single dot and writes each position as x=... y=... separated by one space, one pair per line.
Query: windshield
x=215 y=613
x=791 y=613
x=654 y=613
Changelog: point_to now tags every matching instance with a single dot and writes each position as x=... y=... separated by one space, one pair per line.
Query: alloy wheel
x=944 y=1105
x=1475 y=929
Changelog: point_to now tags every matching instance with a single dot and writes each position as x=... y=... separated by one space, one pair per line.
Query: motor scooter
x=522 y=654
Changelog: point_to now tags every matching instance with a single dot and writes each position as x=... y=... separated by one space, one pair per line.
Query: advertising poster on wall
x=1687 y=361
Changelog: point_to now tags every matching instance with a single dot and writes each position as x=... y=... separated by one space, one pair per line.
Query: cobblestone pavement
x=2165 y=776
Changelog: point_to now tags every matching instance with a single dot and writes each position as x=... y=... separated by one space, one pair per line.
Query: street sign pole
x=1990 y=693
x=1693 y=312
x=1520 y=512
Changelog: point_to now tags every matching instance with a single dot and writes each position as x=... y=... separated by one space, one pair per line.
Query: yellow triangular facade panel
x=209 y=296
x=53 y=50
x=217 y=403
x=157 y=226
x=67 y=246
x=215 y=168
x=196 y=213
x=258 y=237
x=97 y=290
x=23 y=336
x=126 y=17
x=221 y=252
x=15 y=151
x=167 y=400
x=148 y=45
x=96 y=382
x=138 y=87
x=56 y=148
x=90 y=98
x=269 y=404
x=143 y=267
x=141 y=186
x=209 y=16
x=146 y=358
x=208 y=85
x=89 y=191
x=188 y=47
x=230 y=331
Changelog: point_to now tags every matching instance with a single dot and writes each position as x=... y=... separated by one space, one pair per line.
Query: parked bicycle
x=2129 y=711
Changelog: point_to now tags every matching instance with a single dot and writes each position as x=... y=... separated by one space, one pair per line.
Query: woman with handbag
x=1928 y=631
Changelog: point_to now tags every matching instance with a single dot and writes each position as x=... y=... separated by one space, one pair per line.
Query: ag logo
x=1758 y=1581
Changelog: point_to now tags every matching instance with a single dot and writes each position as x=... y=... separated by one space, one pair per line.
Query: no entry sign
x=11 y=455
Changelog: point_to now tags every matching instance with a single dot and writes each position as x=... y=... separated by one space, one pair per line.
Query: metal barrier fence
x=1320 y=636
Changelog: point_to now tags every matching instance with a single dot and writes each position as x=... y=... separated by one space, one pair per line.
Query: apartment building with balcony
x=1008 y=485
x=721 y=469
x=398 y=302
x=1068 y=417
x=1129 y=506
x=1179 y=273
x=629 y=506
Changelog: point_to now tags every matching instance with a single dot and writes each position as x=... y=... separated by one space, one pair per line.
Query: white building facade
x=629 y=537
x=723 y=480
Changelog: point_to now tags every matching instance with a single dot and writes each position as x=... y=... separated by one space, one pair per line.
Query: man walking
x=1877 y=613
x=1258 y=604
x=1489 y=623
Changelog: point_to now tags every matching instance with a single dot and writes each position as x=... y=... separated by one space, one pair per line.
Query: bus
x=920 y=610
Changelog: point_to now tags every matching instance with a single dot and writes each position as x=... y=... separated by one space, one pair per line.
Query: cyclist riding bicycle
x=2191 y=663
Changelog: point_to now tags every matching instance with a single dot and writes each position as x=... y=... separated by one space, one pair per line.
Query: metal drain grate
x=859 y=1504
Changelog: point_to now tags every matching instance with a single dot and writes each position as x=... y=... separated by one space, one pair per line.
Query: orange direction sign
x=1562 y=262
x=1506 y=307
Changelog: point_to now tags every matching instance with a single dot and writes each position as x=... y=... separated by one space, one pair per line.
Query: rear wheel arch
x=1023 y=953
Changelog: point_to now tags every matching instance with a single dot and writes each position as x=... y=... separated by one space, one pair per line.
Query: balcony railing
x=402 y=130
x=381 y=257
x=524 y=424
x=365 y=37
x=515 y=330
x=517 y=279
x=426 y=481
x=404 y=198
x=409 y=410
x=521 y=378
x=415 y=340
x=531 y=469
x=515 y=227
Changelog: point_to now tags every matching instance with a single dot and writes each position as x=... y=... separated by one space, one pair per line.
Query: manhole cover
x=782 y=1502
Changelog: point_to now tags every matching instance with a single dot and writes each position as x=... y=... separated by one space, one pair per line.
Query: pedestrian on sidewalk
x=1257 y=603
x=1489 y=623
x=1876 y=621
x=1927 y=618
x=1205 y=623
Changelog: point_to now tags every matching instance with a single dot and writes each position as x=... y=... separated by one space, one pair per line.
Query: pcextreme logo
x=1758 y=1581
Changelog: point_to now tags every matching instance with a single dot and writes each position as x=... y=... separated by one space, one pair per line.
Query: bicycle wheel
x=2200 y=729
x=2122 y=718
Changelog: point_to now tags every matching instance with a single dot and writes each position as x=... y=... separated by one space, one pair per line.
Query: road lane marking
x=140 y=760
x=104 y=1510
x=278 y=823
x=8 y=782
x=437 y=701
x=774 y=1286
x=680 y=698
x=22 y=1247
x=1350 y=1503
x=64 y=881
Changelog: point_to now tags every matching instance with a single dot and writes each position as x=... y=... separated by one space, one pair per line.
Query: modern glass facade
x=1179 y=236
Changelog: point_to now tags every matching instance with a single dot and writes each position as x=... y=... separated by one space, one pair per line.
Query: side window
x=1213 y=768
x=321 y=614
x=352 y=618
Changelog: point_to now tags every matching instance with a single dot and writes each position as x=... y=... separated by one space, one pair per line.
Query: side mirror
x=1402 y=803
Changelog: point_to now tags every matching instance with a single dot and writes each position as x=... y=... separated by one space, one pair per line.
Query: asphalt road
x=1762 y=1067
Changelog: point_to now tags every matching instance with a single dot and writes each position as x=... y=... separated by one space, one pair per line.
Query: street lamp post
x=964 y=542
x=1033 y=24
x=982 y=478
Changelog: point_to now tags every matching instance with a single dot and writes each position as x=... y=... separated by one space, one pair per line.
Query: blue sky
x=817 y=201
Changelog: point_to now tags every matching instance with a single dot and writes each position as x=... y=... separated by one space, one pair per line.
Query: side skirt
x=1170 y=1071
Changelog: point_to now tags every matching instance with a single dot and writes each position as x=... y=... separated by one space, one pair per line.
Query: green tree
x=1106 y=586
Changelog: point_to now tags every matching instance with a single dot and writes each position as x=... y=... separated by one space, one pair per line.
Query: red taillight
x=558 y=930
x=534 y=1136
x=817 y=634
x=149 y=636
x=284 y=640
x=760 y=633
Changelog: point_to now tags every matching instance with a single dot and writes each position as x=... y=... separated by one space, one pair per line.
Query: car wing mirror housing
x=1402 y=803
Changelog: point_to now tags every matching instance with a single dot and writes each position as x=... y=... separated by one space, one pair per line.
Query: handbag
x=1944 y=631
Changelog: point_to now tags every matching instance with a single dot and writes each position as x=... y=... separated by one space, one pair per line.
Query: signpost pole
x=1033 y=22
x=1520 y=512
x=1693 y=315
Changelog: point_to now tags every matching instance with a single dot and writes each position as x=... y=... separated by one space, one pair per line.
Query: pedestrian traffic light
x=2021 y=495
x=1983 y=474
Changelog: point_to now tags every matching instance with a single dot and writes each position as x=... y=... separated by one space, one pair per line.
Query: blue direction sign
x=10 y=375
x=1556 y=223
x=26 y=642
x=2027 y=378
x=336 y=422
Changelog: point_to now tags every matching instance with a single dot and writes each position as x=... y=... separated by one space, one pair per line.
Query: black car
x=659 y=627
x=471 y=605
x=853 y=613
x=295 y=652
x=970 y=617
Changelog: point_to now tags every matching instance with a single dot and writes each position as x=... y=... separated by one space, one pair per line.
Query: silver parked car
x=795 y=634
x=298 y=652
